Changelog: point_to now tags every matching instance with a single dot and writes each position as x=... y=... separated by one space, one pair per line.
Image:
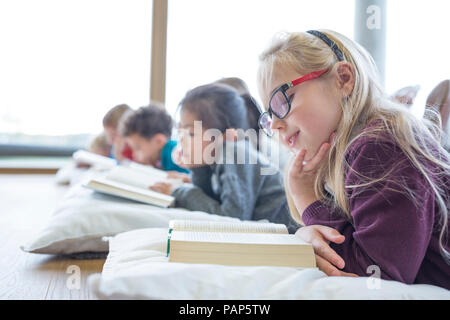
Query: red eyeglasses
x=280 y=104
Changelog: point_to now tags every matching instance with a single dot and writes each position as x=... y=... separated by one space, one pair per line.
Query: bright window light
x=417 y=48
x=64 y=64
x=208 y=40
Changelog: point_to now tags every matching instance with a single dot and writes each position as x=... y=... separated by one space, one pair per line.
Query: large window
x=417 y=48
x=208 y=40
x=65 y=63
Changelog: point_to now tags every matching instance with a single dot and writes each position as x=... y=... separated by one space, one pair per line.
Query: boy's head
x=100 y=146
x=146 y=131
x=111 y=121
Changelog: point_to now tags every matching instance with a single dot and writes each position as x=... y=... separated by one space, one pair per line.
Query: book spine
x=168 y=241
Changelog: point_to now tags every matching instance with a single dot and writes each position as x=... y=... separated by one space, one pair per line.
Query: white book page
x=161 y=175
x=121 y=186
x=138 y=177
x=246 y=238
x=148 y=169
x=93 y=159
x=234 y=227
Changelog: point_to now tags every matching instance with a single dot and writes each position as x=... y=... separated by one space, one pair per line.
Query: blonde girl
x=369 y=181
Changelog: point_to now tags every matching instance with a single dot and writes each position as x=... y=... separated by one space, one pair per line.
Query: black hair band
x=329 y=42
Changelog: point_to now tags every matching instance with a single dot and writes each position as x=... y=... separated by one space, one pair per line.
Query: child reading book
x=270 y=148
x=252 y=108
x=369 y=180
x=100 y=145
x=120 y=149
x=148 y=131
x=229 y=188
x=131 y=181
x=98 y=148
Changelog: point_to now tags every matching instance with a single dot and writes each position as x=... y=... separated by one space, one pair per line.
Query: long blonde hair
x=305 y=53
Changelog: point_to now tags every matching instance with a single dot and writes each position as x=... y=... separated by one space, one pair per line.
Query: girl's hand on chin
x=301 y=175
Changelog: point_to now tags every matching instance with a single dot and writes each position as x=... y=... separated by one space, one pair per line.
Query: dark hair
x=146 y=122
x=217 y=106
x=253 y=109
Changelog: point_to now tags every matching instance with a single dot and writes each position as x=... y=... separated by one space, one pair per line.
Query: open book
x=94 y=160
x=132 y=182
x=238 y=244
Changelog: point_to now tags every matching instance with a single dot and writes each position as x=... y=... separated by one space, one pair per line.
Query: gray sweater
x=237 y=190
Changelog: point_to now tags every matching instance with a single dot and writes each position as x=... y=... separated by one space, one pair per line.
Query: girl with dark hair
x=252 y=107
x=227 y=173
x=273 y=150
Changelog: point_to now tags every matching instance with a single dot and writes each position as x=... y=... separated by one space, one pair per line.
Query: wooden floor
x=26 y=204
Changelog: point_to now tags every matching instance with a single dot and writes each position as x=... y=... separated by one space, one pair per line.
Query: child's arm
x=236 y=198
x=387 y=229
x=179 y=175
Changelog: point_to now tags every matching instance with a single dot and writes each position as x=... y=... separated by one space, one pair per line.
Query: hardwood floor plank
x=26 y=205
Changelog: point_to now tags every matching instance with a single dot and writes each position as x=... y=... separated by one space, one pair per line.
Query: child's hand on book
x=327 y=259
x=178 y=175
x=162 y=187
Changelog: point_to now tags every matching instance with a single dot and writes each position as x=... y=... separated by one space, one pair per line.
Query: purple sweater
x=387 y=230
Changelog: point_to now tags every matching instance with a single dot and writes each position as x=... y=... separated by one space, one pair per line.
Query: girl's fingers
x=298 y=160
x=314 y=162
x=327 y=267
x=319 y=237
x=330 y=234
x=324 y=233
x=331 y=270
x=157 y=185
x=320 y=245
x=322 y=249
x=161 y=187
x=345 y=274
x=333 y=137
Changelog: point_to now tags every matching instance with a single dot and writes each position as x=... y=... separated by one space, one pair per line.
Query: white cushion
x=137 y=268
x=84 y=217
x=70 y=174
